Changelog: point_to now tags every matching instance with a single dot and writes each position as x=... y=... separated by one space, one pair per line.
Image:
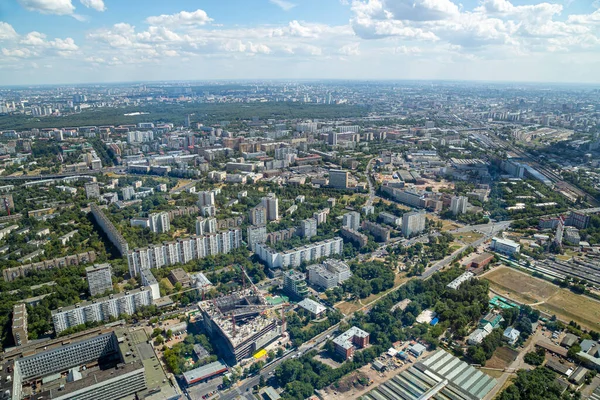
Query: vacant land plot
x=545 y=297
x=348 y=307
x=519 y=286
x=467 y=237
x=502 y=358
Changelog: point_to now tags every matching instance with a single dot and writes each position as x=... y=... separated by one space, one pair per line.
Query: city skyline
x=95 y=41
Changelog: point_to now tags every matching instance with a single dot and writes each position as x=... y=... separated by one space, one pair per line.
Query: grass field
x=348 y=307
x=467 y=237
x=545 y=297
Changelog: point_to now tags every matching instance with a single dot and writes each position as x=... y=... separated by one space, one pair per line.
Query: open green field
x=545 y=296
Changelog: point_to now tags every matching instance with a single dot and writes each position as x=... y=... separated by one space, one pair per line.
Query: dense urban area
x=300 y=240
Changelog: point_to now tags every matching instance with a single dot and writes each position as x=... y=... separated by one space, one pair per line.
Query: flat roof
x=312 y=306
x=204 y=372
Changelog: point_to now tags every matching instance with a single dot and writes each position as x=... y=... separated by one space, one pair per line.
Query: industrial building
x=329 y=274
x=346 y=343
x=441 y=376
x=205 y=372
x=505 y=246
x=243 y=320
x=107 y=364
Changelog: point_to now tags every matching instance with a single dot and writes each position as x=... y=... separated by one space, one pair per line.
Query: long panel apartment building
x=109 y=229
x=102 y=309
x=295 y=257
x=183 y=250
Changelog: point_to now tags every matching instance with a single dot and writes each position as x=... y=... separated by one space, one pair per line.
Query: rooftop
x=312 y=306
x=345 y=339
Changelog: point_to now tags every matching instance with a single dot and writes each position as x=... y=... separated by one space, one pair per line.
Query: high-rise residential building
x=560 y=230
x=99 y=277
x=101 y=309
x=258 y=215
x=294 y=282
x=332 y=138
x=19 y=324
x=321 y=216
x=308 y=227
x=92 y=190
x=351 y=220
x=413 y=223
x=256 y=234
x=159 y=222
x=338 y=179
x=578 y=219
x=109 y=229
x=127 y=193
x=458 y=204
x=296 y=256
x=271 y=203
x=150 y=281
x=206 y=198
x=183 y=250
x=205 y=226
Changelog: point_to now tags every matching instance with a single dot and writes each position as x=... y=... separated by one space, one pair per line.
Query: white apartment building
x=295 y=257
x=183 y=250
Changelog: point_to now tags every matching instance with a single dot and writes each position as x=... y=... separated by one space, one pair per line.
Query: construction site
x=244 y=320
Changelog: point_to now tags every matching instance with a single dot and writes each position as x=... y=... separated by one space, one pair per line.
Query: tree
x=169 y=334
x=537 y=384
x=159 y=340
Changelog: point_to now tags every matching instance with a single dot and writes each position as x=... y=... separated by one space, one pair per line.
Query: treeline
x=456 y=310
x=207 y=113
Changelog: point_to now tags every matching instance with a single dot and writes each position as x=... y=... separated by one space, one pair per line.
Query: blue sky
x=78 y=41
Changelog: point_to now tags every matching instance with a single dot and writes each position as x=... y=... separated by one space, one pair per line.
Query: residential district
x=271 y=240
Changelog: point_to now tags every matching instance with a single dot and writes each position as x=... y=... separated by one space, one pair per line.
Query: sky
x=94 y=41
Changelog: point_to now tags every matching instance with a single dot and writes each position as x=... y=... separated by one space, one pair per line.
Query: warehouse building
x=439 y=376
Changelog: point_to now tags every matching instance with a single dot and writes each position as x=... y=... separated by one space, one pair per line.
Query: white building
x=99 y=277
x=205 y=226
x=150 y=281
x=505 y=246
x=351 y=220
x=271 y=204
x=206 y=198
x=329 y=274
x=183 y=250
x=92 y=190
x=412 y=223
x=127 y=193
x=295 y=257
x=467 y=276
x=458 y=204
x=159 y=222
x=308 y=227
x=102 y=309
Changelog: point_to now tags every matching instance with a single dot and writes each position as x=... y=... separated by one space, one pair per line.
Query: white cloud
x=7 y=32
x=34 y=39
x=18 y=52
x=283 y=4
x=352 y=49
x=65 y=45
x=408 y=50
x=58 y=7
x=97 y=5
x=198 y=17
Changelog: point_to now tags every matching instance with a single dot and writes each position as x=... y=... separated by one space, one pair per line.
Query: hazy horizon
x=106 y=41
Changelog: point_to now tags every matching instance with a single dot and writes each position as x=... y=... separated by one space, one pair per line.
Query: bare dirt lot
x=545 y=296
x=502 y=358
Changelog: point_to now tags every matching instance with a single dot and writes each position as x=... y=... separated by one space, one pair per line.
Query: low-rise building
x=511 y=335
x=347 y=342
x=505 y=246
x=317 y=310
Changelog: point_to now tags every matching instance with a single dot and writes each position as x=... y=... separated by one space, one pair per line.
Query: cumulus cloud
x=352 y=49
x=7 y=32
x=97 y=5
x=198 y=17
x=57 y=7
x=283 y=4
